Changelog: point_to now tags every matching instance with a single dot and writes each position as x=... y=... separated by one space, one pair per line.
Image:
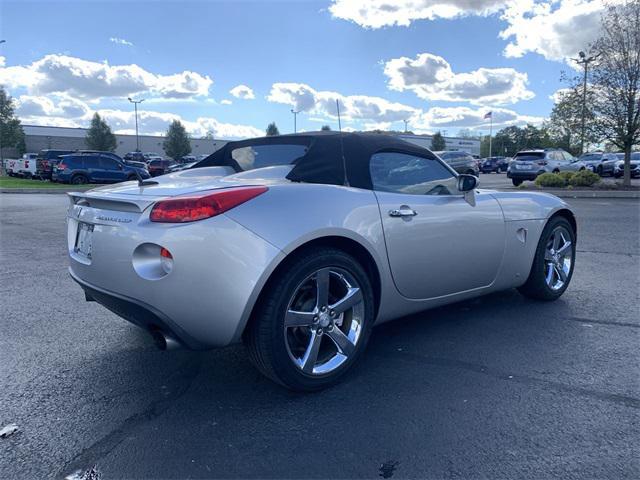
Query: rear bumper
x=205 y=301
x=137 y=312
x=518 y=175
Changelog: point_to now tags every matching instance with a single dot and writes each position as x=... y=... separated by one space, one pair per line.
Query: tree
x=272 y=129
x=11 y=133
x=565 y=123
x=325 y=128
x=99 y=136
x=615 y=80
x=176 y=143
x=437 y=142
x=208 y=136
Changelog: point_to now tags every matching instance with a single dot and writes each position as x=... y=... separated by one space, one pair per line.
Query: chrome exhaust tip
x=164 y=341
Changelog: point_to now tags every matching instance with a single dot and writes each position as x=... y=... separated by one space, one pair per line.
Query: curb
x=588 y=193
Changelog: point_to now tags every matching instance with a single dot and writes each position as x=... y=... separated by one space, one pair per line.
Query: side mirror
x=466 y=183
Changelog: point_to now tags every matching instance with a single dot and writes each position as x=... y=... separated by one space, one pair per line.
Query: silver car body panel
x=450 y=251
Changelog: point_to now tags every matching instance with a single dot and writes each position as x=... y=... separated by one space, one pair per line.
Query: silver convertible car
x=298 y=245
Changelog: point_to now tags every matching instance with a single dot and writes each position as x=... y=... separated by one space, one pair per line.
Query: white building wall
x=38 y=138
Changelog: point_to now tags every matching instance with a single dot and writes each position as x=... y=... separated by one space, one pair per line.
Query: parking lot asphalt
x=498 y=387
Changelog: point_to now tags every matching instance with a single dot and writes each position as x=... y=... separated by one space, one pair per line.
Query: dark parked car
x=494 y=164
x=135 y=156
x=80 y=168
x=160 y=167
x=46 y=160
x=460 y=161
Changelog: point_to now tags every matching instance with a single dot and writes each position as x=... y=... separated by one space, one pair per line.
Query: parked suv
x=592 y=160
x=80 y=168
x=494 y=164
x=46 y=160
x=160 y=167
x=460 y=161
x=528 y=164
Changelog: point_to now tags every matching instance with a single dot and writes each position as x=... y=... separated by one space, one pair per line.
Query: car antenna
x=344 y=162
x=142 y=182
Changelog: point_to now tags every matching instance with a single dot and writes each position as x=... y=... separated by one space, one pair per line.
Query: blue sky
x=439 y=64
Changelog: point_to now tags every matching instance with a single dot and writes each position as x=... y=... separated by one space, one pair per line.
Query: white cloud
x=555 y=29
x=54 y=106
x=242 y=91
x=439 y=118
x=2 y=61
x=44 y=111
x=430 y=77
x=226 y=102
x=384 y=13
x=92 y=80
x=304 y=98
x=121 y=41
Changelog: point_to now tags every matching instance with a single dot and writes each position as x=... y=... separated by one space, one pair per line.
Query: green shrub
x=566 y=176
x=550 y=180
x=584 y=178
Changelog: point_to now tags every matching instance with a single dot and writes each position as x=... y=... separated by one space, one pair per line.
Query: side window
x=408 y=174
x=108 y=163
x=90 y=161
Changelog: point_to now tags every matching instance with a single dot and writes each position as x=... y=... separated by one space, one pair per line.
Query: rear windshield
x=529 y=155
x=260 y=156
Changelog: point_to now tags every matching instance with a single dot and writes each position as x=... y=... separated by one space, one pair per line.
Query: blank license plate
x=523 y=167
x=84 y=239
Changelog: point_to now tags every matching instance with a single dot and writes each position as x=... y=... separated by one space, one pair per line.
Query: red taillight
x=165 y=253
x=191 y=208
x=542 y=162
x=61 y=166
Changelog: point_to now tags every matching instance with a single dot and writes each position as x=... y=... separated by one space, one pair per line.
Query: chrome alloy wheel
x=324 y=321
x=558 y=256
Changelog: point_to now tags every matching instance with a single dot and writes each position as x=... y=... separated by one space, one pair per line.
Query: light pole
x=135 y=106
x=405 y=125
x=1 y=129
x=295 y=120
x=584 y=61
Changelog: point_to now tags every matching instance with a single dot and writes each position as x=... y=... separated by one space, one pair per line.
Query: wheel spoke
x=311 y=354
x=565 y=249
x=549 y=278
x=548 y=256
x=322 y=287
x=560 y=273
x=343 y=343
x=556 y=241
x=350 y=300
x=298 y=319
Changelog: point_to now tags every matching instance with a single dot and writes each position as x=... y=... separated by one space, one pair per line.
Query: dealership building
x=62 y=138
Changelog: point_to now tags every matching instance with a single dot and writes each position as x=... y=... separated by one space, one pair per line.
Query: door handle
x=403 y=211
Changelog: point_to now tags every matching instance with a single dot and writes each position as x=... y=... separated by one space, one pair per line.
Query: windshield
x=529 y=156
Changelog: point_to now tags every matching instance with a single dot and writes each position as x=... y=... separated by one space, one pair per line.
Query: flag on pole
x=488 y=115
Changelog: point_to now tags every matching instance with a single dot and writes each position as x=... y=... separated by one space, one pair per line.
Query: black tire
x=599 y=170
x=265 y=336
x=556 y=171
x=79 y=180
x=516 y=182
x=132 y=177
x=536 y=286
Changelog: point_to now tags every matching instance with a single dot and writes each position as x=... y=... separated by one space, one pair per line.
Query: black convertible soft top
x=331 y=158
